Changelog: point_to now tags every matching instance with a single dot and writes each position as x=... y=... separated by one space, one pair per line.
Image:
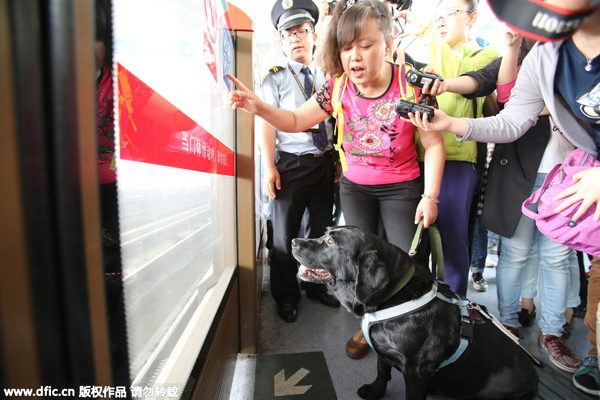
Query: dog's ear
x=372 y=279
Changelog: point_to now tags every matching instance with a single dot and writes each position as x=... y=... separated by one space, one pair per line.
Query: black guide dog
x=363 y=271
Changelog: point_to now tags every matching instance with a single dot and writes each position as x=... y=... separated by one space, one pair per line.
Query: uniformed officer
x=299 y=167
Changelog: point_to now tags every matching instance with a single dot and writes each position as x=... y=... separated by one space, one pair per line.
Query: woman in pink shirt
x=381 y=181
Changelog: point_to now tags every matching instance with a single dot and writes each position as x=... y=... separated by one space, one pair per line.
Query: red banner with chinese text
x=153 y=130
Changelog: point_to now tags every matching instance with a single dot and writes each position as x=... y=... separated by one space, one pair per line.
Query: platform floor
x=326 y=330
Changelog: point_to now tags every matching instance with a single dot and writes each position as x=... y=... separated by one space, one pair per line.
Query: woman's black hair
x=104 y=28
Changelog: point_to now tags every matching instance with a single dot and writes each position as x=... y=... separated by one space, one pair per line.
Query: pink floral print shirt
x=379 y=146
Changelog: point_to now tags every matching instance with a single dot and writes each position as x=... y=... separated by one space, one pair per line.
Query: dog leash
x=437 y=255
x=495 y=321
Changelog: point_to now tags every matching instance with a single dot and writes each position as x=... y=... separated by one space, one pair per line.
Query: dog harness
x=466 y=331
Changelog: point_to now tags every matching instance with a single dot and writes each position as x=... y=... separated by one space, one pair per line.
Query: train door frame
x=53 y=327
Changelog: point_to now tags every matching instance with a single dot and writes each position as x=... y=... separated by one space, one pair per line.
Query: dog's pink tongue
x=319 y=274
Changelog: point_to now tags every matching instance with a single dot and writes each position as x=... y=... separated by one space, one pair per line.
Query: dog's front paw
x=374 y=391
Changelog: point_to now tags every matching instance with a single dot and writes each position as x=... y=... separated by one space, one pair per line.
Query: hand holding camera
x=418 y=78
x=403 y=107
x=443 y=122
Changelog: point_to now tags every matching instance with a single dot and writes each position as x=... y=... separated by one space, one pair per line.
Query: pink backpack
x=583 y=235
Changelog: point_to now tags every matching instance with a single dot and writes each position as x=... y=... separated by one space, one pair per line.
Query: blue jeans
x=530 y=279
x=493 y=238
x=554 y=277
x=479 y=247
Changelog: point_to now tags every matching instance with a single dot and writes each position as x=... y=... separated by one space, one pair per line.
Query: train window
x=175 y=179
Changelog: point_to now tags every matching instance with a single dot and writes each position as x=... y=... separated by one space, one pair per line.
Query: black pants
x=306 y=183
x=393 y=205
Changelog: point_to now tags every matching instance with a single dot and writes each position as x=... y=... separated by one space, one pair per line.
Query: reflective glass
x=175 y=179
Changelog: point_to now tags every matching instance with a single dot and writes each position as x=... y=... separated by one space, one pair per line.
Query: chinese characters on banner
x=153 y=130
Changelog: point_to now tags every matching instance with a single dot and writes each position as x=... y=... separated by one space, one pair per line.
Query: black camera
x=332 y=4
x=403 y=107
x=418 y=78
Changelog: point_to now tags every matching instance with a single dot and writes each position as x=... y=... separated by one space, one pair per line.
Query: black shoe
x=580 y=310
x=525 y=318
x=287 y=312
x=323 y=296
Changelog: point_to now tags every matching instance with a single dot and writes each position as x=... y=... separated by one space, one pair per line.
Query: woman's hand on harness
x=428 y=210
x=585 y=188
x=243 y=97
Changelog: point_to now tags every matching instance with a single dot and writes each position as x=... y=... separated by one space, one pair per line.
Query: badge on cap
x=288 y=13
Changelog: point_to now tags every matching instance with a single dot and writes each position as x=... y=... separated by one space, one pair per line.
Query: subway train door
x=52 y=312
x=176 y=183
x=184 y=203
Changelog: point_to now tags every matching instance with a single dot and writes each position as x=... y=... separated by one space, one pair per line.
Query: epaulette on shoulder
x=275 y=70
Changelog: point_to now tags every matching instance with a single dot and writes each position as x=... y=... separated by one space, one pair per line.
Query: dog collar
x=371 y=318
x=402 y=282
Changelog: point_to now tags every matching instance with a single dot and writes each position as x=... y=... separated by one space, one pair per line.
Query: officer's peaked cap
x=288 y=13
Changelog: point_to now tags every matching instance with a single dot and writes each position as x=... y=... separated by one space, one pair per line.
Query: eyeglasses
x=448 y=15
x=300 y=34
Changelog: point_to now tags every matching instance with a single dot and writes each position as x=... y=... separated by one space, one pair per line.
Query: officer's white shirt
x=281 y=90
